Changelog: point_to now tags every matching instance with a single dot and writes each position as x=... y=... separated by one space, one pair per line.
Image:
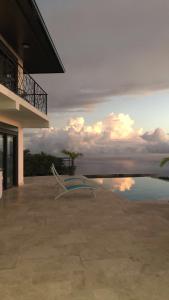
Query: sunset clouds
x=114 y=134
x=112 y=127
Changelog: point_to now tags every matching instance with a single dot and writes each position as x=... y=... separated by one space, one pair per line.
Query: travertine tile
x=81 y=248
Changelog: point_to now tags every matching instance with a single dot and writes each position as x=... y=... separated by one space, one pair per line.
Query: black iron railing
x=15 y=78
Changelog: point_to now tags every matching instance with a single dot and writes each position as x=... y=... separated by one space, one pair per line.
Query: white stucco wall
x=10 y=121
x=20 y=157
x=20 y=147
x=17 y=112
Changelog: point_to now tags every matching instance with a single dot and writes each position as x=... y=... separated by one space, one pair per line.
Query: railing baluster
x=26 y=86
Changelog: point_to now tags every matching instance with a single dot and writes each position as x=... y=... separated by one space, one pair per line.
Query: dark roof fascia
x=47 y=33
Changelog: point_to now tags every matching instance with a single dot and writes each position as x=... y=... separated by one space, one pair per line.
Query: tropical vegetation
x=164 y=161
x=39 y=164
x=72 y=155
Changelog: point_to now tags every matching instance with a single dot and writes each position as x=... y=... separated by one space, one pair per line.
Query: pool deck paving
x=81 y=248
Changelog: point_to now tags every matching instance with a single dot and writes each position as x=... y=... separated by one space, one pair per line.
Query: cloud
x=158 y=135
x=113 y=135
x=157 y=141
x=110 y=47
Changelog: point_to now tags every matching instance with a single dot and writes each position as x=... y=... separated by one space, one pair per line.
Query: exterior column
x=20 y=157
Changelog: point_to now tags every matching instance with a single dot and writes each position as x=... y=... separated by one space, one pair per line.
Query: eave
x=21 y=23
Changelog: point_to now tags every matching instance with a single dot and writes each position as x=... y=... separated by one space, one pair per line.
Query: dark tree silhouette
x=72 y=155
x=39 y=164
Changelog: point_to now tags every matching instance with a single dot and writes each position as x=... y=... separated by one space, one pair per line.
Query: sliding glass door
x=1 y=151
x=9 y=154
x=8 y=68
x=10 y=161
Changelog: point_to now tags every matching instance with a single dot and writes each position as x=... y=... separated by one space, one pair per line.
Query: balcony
x=15 y=78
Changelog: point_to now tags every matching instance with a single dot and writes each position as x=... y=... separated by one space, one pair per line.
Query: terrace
x=81 y=248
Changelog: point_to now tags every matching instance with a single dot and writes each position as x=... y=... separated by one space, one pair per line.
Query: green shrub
x=39 y=164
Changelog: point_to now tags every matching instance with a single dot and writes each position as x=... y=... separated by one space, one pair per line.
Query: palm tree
x=164 y=161
x=72 y=156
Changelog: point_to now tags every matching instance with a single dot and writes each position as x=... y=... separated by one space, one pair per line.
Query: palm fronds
x=164 y=161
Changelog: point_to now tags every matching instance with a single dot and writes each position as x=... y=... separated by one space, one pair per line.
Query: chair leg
x=57 y=197
x=65 y=192
x=94 y=194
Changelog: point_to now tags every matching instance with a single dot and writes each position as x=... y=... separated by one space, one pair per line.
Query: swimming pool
x=137 y=188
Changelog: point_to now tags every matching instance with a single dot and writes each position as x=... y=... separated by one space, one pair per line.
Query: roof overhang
x=21 y=24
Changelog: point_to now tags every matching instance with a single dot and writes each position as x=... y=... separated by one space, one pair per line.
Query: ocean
x=136 y=164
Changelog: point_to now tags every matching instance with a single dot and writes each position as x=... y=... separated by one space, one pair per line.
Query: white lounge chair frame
x=68 y=188
x=70 y=178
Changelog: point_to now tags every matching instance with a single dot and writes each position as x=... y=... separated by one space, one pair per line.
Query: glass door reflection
x=10 y=161
x=1 y=151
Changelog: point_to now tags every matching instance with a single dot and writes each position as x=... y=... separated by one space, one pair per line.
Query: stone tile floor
x=81 y=248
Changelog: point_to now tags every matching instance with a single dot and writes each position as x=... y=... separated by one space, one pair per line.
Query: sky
x=115 y=53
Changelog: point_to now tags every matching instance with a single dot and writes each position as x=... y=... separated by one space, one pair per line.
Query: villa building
x=25 y=48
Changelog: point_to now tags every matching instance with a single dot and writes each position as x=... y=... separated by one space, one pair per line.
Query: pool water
x=137 y=188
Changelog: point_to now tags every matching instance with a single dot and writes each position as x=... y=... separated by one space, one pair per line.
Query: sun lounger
x=68 y=188
x=80 y=178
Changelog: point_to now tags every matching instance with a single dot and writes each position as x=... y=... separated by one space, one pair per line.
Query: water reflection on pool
x=137 y=188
